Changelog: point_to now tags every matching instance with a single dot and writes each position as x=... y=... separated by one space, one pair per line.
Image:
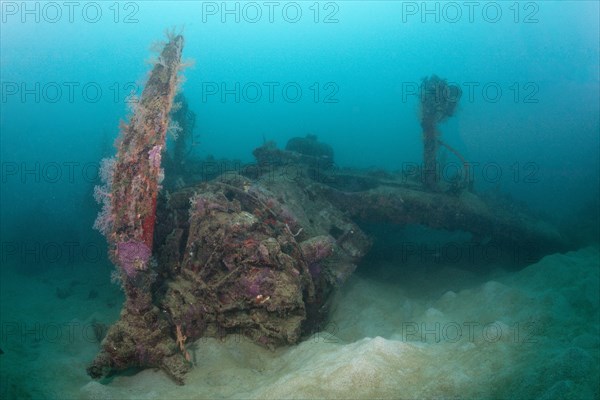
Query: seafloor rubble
x=255 y=252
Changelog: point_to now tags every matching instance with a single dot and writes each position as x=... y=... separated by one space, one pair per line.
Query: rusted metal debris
x=142 y=337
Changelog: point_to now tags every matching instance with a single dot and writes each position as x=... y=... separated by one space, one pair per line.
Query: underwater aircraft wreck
x=257 y=252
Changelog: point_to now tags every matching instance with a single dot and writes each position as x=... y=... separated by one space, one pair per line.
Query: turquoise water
x=348 y=72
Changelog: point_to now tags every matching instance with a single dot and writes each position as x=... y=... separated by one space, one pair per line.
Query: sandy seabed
x=448 y=333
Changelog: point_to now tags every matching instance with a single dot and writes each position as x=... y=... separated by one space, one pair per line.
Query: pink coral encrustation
x=154 y=155
x=133 y=256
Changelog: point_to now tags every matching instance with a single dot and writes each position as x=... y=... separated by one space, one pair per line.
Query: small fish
x=1 y=351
